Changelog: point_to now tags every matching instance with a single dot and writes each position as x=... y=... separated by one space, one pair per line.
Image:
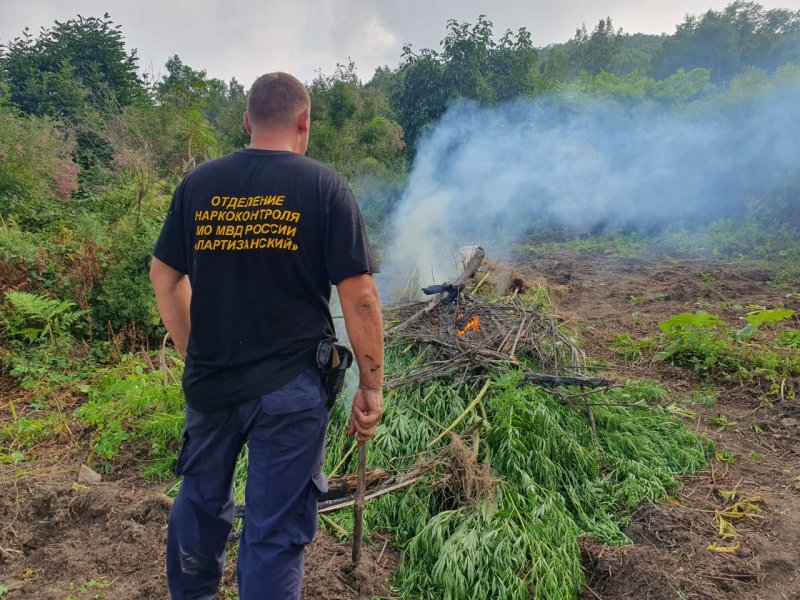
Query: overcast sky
x=244 y=38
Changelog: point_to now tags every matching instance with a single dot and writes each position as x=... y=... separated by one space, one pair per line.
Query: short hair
x=275 y=100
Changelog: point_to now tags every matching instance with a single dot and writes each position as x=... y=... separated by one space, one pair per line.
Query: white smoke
x=489 y=175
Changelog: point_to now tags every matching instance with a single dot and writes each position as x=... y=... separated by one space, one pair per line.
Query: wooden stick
x=339 y=503
x=469 y=270
x=516 y=340
x=358 y=506
x=460 y=417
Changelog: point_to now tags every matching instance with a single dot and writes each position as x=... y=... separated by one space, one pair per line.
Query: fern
x=32 y=317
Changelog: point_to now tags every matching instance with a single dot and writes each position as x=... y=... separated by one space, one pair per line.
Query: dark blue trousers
x=285 y=435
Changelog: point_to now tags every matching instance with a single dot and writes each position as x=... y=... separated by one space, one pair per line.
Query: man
x=242 y=273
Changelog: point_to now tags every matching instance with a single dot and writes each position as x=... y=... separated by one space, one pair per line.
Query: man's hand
x=362 y=317
x=367 y=411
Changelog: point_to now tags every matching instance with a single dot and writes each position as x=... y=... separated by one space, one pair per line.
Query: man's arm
x=361 y=307
x=173 y=294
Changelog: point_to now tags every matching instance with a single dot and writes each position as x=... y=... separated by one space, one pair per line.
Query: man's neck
x=275 y=141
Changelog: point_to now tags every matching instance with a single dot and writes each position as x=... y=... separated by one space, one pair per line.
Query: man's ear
x=304 y=120
x=248 y=127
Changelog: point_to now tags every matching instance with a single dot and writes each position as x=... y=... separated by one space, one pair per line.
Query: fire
x=474 y=324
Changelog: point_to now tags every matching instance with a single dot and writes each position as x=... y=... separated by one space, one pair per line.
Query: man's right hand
x=367 y=411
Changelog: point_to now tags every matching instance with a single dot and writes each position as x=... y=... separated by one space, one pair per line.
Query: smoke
x=491 y=175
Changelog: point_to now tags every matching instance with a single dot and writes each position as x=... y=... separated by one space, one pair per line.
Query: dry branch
x=501 y=336
x=342 y=494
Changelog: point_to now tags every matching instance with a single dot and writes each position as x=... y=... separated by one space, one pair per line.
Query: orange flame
x=474 y=324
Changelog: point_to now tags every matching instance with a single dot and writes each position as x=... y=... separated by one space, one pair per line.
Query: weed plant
x=555 y=483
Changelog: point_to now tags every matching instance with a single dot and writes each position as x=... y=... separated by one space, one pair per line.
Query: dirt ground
x=60 y=539
x=74 y=541
x=601 y=296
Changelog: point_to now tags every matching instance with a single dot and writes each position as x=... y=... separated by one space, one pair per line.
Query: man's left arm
x=173 y=295
x=361 y=308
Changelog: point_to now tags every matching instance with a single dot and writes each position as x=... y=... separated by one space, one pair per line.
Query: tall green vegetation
x=71 y=66
x=596 y=52
x=353 y=126
x=725 y=42
x=501 y=515
x=471 y=65
x=743 y=34
x=37 y=170
x=91 y=152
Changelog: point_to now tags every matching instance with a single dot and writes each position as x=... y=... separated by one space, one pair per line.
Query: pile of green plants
x=552 y=481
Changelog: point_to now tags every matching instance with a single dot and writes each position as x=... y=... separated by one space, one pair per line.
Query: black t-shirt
x=262 y=235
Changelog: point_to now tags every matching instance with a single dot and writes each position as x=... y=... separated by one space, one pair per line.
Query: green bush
x=40 y=350
x=128 y=405
x=37 y=173
x=704 y=342
x=123 y=296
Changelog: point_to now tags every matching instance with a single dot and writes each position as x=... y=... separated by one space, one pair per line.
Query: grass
x=632 y=349
x=129 y=405
x=775 y=245
x=620 y=244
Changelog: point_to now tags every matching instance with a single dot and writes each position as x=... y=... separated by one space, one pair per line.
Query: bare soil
x=68 y=540
x=601 y=296
x=56 y=538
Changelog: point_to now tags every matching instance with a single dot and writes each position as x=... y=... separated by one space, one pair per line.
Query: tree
x=421 y=98
x=352 y=125
x=470 y=65
x=555 y=65
x=386 y=80
x=741 y=35
x=513 y=67
x=227 y=122
x=210 y=103
x=595 y=52
x=77 y=62
x=465 y=53
x=182 y=86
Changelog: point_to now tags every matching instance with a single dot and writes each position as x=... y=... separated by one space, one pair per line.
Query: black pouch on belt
x=333 y=360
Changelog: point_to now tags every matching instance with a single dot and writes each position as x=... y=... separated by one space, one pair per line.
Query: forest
x=647 y=201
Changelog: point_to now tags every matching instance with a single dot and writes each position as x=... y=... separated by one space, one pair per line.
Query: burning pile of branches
x=467 y=337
